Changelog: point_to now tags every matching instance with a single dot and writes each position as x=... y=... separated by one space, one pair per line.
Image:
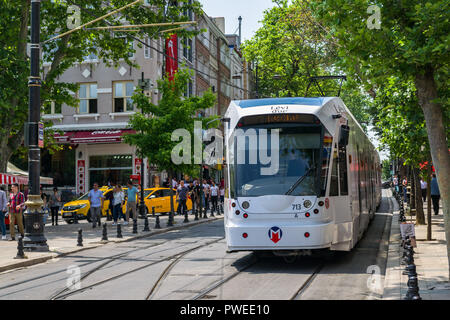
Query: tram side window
x=334 y=184
x=343 y=180
x=327 y=146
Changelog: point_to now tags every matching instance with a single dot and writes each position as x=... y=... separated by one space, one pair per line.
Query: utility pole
x=142 y=203
x=240 y=32
x=34 y=216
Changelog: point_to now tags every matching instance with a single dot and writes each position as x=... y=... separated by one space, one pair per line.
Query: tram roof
x=281 y=101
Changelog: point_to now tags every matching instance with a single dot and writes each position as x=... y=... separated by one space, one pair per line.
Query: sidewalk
x=62 y=239
x=430 y=259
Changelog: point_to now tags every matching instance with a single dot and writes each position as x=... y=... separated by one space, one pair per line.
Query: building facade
x=93 y=131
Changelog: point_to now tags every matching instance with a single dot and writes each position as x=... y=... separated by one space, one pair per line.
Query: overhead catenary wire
x=164 y=54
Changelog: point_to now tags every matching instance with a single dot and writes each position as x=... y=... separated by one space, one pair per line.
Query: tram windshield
x=298 y=160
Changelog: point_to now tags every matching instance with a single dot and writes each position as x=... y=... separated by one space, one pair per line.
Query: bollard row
x=410 y=271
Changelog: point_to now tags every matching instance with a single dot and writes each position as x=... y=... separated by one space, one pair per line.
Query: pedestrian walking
x=110 y=197
x=423 y=188
x=405 y=187
x=16 y=204
x=206 y=191
x=222 y=196
x=45 y=199
x=96 y=199
x=3 y=208
x=395 y=183
x=214 y=197
x=132 y=193
x=118 y=200
x=435 y=194
x=182 y=193
x=55 y=200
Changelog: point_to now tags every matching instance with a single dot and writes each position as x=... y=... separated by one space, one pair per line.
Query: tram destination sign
x=279 y=118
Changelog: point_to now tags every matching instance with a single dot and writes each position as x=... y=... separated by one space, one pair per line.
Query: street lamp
x=142 y=203
x=34 y=216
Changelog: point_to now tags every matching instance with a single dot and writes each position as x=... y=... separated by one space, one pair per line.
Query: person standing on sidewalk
x=405 y=189
x=118 y=199
x=182 y=193
x=96 y=199
x=435 y=194
x=3 y=208
x=207 y=192
x=55 y=200
x=132 y=192
x=16 y=204
x=222 y=197
x=423 y=187
x=395 y=183
x=214 y=197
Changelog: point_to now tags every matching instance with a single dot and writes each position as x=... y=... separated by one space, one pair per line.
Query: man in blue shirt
x=435 y=194
x=131 y=202
x=96 y=199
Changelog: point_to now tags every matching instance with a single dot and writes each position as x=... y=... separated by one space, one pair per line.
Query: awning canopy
x=15 y=175
x=99 y=136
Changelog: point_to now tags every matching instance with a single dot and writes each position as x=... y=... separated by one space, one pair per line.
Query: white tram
x=321 y=187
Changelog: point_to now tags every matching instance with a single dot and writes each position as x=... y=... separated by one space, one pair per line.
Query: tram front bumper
x=279 y=237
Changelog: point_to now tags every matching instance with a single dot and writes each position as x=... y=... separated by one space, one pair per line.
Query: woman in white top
x=119 y=197
x=423 y=186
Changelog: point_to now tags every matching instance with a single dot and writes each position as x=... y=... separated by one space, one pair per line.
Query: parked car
x=153 y=197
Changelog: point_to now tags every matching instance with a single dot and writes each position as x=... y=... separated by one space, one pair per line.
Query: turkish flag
x=172 y=56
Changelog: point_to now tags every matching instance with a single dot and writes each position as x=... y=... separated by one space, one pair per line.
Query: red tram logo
x=275 y=234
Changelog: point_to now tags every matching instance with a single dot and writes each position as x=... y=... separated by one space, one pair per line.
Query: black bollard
x=157 y=223
x=153 y=211
x=196 y=212
x=105 y=233
x=186 y=219
x=146 y=227
x=135 y=226
x=20 y=253
x=75 y=218
x=205 y=216
x=170 y=220
x=413 y=289
x=80 y=238
x=119 y=231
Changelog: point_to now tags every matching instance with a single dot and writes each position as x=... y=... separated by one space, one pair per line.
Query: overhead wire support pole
x=162 y=24
x=93 y=21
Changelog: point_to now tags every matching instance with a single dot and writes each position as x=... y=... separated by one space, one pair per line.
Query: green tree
x=289 y=49
x=64 y=52
x=411 y=44
x=156 y=123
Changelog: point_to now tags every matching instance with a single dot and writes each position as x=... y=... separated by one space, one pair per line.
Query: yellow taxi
x=159 y=198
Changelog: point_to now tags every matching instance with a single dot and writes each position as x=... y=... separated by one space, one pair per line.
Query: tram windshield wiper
x=300 y=180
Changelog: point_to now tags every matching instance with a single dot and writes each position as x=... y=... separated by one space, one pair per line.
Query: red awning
x=100 y=136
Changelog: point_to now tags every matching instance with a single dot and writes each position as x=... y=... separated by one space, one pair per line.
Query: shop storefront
x=101 y=157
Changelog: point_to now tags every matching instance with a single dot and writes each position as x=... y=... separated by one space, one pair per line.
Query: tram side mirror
x=343 y=136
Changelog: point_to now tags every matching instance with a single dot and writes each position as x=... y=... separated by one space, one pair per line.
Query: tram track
x=308 y=282
x=64 y=294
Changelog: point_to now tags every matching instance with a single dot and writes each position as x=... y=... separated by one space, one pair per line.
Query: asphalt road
x=193 y=264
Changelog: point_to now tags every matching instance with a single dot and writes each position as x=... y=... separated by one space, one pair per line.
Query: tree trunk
x=429 y=221
x=420 y=216
x=412 y=194
x=427 y=95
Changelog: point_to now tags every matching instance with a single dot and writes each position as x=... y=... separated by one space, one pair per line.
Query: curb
x=382 y=254
x=393 y=276
x=55 y=255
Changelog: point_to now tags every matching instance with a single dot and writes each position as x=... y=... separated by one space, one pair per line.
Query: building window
x=189 y=89
x=187 y=49
x=123 y=91
x=88 y=98
x=110 y=168
x=188 y=12
x=51 y=107
x=147 y=49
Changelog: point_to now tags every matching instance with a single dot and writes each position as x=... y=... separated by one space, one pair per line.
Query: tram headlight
x=245 y=205
x=307 y=204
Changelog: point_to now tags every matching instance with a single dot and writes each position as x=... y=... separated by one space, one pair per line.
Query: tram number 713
x=296 y=207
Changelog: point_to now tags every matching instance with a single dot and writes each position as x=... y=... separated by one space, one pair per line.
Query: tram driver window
x=334 y=185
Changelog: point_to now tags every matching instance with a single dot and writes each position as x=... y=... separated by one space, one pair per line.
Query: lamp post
x=142 y=203
x=34 y=216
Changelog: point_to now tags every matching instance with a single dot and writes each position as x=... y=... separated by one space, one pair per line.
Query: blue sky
x=251 y=11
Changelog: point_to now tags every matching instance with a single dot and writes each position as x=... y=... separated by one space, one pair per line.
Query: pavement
x=430 y=259
x=62 y=239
